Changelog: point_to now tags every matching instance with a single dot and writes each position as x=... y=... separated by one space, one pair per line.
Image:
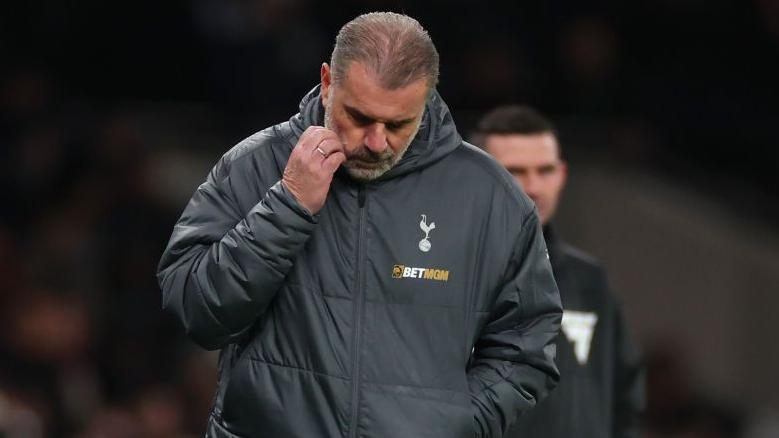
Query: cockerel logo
x=424 y=244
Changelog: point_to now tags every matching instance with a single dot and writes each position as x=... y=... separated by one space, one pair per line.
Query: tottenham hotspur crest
x=424 y=244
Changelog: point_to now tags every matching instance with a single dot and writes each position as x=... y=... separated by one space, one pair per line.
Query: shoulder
x=247 y=170
x=262 y=152
x=265 y=144
x=484 y=174
x=586 y=269
x=581 y=258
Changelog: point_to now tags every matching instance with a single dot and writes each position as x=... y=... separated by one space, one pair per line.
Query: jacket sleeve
x=513 y=361
x=629 y=385
x=221 y=268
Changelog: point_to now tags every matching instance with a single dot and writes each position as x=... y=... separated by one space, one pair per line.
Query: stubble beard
x=363 y=164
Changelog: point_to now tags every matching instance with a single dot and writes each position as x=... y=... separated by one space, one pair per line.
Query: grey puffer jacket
x=421 y=304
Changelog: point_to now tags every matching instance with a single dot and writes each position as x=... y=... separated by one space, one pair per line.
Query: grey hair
x=394 y=47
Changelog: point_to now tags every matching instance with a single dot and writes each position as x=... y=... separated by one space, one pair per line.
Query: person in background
x=601 y=393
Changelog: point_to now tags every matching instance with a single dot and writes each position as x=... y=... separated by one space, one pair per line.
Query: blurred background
x=112 y=113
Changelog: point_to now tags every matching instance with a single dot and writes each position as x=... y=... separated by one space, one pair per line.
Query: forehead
x=361 y=90
x=524 y=150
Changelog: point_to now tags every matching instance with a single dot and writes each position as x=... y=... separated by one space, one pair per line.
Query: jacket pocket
x=274 y=400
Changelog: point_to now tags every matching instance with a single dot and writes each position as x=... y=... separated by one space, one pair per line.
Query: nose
x=531 y=184
x=376 y=138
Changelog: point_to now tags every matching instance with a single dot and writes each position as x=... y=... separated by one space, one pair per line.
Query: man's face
x=376 y=125
x=534 y=160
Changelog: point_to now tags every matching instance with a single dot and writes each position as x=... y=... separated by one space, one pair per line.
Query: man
x=372 y=277
x=600 y=391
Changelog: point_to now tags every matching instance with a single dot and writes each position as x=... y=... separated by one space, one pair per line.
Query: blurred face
x=376 y=125
x=534 y=160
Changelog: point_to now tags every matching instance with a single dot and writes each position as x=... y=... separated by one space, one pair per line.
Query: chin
x=365 y=174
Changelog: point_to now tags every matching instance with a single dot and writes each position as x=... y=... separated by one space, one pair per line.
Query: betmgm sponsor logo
x=402 y=271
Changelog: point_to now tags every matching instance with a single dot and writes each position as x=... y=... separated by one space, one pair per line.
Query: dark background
x=113 y=113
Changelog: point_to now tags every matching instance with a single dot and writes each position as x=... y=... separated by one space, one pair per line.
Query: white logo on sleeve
x=579 y=328
x=424 y=244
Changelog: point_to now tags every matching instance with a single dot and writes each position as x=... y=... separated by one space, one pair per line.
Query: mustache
x=368 y=156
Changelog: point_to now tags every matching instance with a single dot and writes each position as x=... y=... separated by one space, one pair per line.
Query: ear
x=563 y=172
x=324 y=75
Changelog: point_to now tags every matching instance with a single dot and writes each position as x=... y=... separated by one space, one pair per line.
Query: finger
x=328 y=145
x=318 y=150
x=332 y=143
x=311 y=137
x=333 y=161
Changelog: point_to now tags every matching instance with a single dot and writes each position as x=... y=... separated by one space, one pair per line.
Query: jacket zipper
x=360 y=298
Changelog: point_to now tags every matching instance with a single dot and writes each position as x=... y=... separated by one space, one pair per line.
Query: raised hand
x=309 y=172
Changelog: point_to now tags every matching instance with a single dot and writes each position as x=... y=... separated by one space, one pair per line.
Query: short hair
x=395 y=47
x=513 y=119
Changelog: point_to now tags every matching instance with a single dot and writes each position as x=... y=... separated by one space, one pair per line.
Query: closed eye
x=360 y=119
x=364 y=120
x=394 y=126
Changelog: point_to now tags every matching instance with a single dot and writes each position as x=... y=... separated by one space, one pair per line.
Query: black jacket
x=361 y=320
x=601 y=385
